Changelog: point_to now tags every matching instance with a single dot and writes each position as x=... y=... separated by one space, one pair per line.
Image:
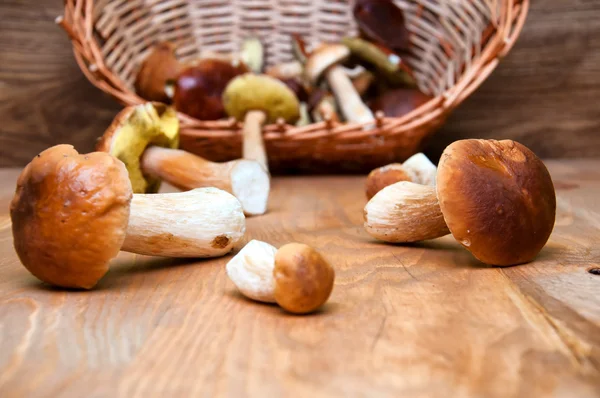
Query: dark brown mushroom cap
x=497 y=198
x=199 y=88
x=399 y=102
x=70 y=214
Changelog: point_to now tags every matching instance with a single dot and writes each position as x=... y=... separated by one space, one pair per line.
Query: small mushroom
x=383 y=60
x=259 y=99
x=363 y=81
x=72 y=213
x=199 y=87
x=495 y=197
x=399 y=102
x=296 y=276
x=382 y=22
x=156 y=71
x=144 y=138
x=324 y=61
x=418 y=169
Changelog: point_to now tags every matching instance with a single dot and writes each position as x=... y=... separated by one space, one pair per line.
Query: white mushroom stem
x=421 y=169
x=204 y=222
x=253 y=145
x=405 y=212
x=251 y=271
x=350 y=103
x=246 y=179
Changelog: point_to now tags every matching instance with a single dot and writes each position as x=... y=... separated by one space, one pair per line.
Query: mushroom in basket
x=258 y=99
x=324 y=62
x=495 y=197
x=144 y=137
x=72 y=213
x=156 y=72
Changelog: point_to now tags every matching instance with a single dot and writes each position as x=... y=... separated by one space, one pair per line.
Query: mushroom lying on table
x=296 y=276
x=418 y=169
x=144 y=137
x=495 y=197
x=72 y=213
x=259 y=99
x=324 y=62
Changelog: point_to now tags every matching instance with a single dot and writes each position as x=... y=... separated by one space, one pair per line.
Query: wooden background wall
x=545 y=94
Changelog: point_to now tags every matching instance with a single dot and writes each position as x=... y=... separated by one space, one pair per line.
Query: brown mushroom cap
x=69 y=215
x=497 y=198
x=132 y=130
x=199 y=88
x=322 y=58
x=384 y=176
x=250 y=92
x=399 y=102
x=156 y=70
x=303 y=279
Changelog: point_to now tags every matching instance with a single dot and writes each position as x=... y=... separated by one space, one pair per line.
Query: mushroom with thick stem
x=495 y=197
x=324 y=61
x=296 y=276
x=145 y=136
x=418 y=169
x=259 y=99
x=71 y=214
x=156 y=71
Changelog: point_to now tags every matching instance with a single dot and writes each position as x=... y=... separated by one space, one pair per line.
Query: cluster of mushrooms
x=72 y=213
x=347 y=81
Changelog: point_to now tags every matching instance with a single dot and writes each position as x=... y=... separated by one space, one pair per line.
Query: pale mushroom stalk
x=247 y=180
x=349 y=101
x=203 y=222
x=405 y=212
x=253 y=146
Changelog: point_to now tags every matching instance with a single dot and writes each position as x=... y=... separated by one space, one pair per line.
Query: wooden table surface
x=423 y=320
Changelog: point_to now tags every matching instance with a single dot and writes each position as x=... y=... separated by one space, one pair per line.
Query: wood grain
x=423 y=320
x=543 y=94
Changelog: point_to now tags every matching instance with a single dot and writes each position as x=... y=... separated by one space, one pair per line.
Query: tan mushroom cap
x=324 y=57
x=69 y=215
x=303 y=278
x=250 y=92
x=135 y=128
x=497 y=199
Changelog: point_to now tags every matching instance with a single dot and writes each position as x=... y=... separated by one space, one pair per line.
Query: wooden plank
x=542 y=94
x=419 y=320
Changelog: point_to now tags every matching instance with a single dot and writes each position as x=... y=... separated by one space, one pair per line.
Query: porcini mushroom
x=418 y=169
x=199 y=87
x=495 y=197
x=324 y=61
x=296 y=276
x=259 y=99
x=156 y=71
x=72 y=213
x=144 y=137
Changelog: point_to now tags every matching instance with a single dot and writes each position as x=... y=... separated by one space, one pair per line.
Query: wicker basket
x=457 y=44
